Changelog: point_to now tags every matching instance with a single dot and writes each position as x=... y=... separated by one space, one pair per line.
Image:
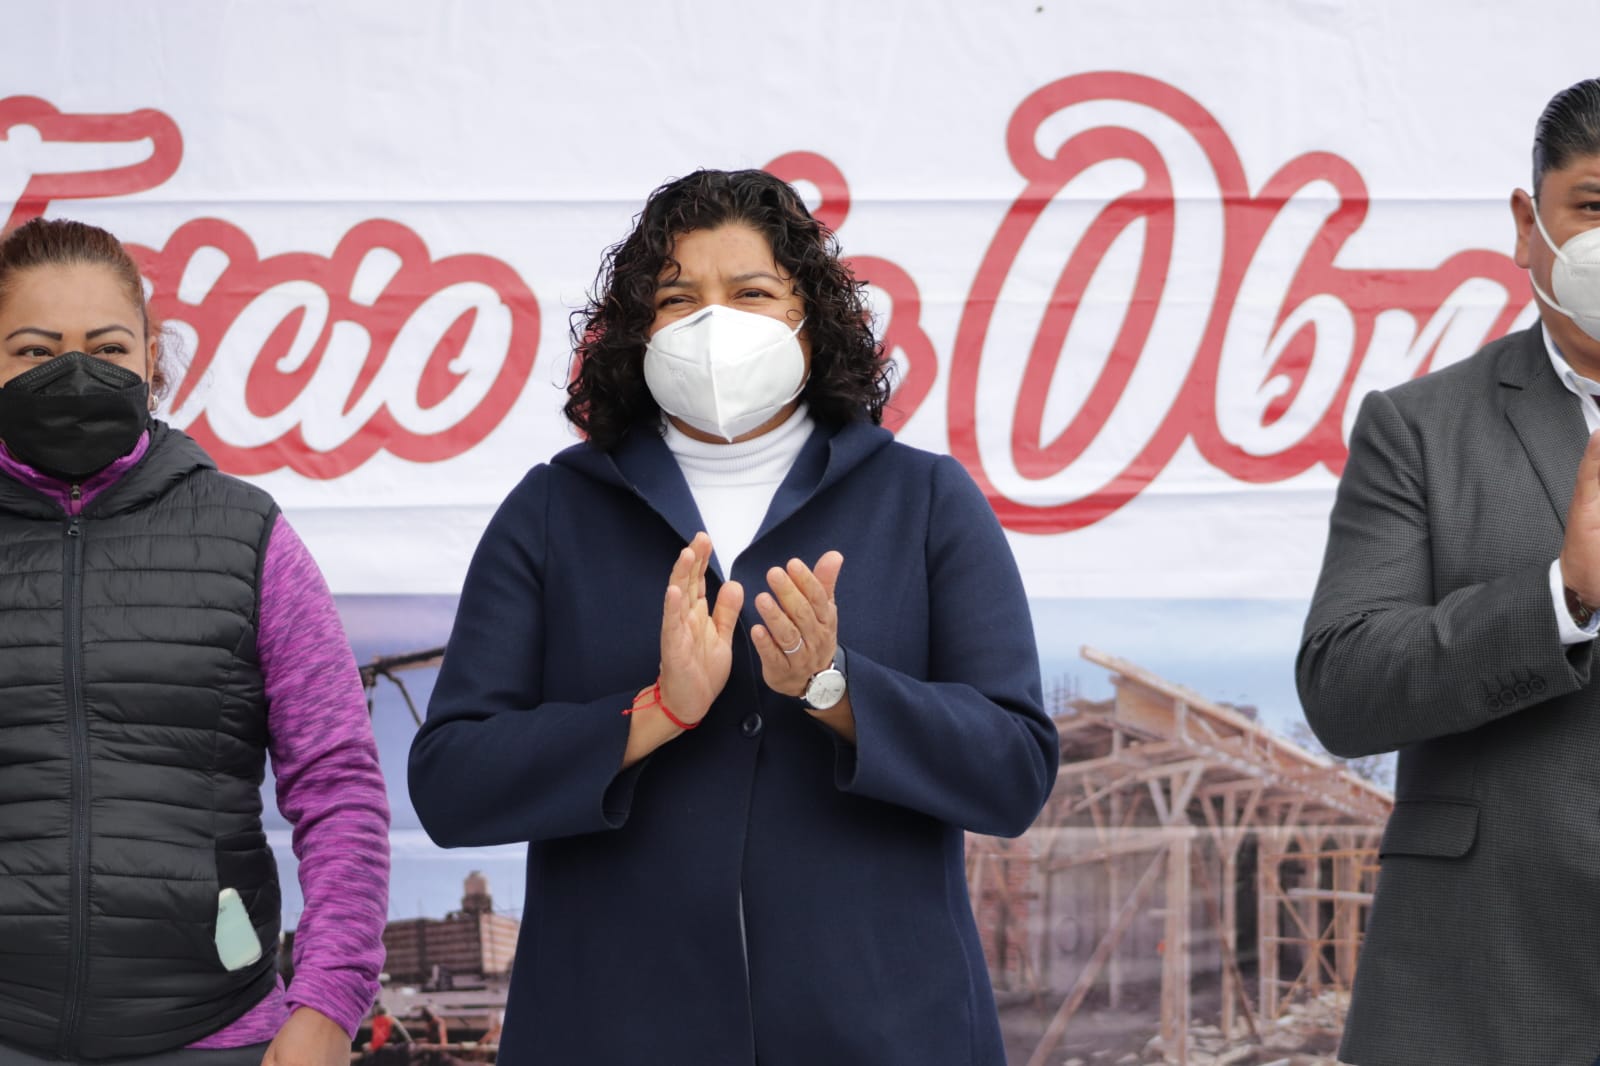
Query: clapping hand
x=696 y=637
x=1580 y=551
x=801 y=632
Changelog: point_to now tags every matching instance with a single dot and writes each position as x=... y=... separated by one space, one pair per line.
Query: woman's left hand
x=308 y=1038
x=802 y=623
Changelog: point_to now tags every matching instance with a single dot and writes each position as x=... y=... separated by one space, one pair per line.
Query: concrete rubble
x=1306 y=1035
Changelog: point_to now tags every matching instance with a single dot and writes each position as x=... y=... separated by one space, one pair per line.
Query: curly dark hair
x=850 y=372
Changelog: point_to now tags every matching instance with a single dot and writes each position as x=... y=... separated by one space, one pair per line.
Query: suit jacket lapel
x=1547 y=419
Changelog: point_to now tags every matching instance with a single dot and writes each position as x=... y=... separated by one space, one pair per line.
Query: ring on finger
x=799 y=642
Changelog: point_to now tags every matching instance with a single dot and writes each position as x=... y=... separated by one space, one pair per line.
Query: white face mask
x=724 y=371
x=1575 y=277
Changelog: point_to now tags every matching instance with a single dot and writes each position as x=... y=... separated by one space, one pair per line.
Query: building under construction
x=1183 y=840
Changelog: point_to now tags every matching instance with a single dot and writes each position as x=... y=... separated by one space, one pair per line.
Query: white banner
x=1138 y=262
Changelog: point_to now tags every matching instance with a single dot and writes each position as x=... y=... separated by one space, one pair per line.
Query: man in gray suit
x=1454 y=622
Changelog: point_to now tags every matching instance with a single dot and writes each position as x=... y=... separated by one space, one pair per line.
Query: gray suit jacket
x=1432 y=632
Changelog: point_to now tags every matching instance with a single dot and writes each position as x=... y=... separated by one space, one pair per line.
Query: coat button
x=751 y=725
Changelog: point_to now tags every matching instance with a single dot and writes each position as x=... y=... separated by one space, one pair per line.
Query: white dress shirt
x=1586 y=391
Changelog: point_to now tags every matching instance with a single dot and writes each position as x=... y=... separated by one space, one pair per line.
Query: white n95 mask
x=724 y=371
x=1575 y=277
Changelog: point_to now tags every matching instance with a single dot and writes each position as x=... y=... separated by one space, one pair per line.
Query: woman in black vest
x=162 y=631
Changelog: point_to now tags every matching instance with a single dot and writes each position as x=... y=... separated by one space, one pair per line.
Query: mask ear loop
x=1559 y=254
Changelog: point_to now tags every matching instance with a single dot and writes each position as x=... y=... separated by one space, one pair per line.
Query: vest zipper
x=78 y=735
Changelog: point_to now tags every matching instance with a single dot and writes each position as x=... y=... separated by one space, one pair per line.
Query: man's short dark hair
x=1569 y=127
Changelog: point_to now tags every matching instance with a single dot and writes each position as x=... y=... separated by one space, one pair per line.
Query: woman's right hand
x=696 y=652
x=696 y=638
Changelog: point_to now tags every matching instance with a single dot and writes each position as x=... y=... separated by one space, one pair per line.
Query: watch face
x=826 y=689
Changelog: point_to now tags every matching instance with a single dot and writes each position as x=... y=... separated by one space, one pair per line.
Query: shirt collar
x=1576 y=383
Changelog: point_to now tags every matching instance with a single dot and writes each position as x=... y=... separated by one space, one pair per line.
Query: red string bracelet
x=656 y=701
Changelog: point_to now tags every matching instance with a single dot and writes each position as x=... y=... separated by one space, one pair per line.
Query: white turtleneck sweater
x=733 y=484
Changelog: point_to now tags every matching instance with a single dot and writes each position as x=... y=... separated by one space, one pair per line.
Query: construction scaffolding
x=1160 y=788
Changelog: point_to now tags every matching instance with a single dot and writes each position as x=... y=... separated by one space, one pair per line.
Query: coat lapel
x=648 y=468
x=644 y=464
x=1547 y=419
x=826 y=457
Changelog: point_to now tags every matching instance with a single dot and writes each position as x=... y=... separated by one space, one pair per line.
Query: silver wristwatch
x=826 y=687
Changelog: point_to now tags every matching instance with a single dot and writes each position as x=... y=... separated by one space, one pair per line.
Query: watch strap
x=836 y=666
x=1582 y=614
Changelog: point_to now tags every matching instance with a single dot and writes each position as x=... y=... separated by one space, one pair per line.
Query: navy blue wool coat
x=756 y=890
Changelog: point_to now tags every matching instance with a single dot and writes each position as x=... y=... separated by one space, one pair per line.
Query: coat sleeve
x=1383 y=661
x=972 y=744
x=496 y=763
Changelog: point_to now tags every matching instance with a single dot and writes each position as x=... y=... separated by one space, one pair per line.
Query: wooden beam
x=1113 y=893
x=1327 y=894
x=1091 y=970
x=1232 y=979
x=1347 y=917
x=1091 y=799
x=1146 y=840
x=1267 y=904
x=1163 y=815
x=1175 y=962
x=1129 y=757
x=1181 y=794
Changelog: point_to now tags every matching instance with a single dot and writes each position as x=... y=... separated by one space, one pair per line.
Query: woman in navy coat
x=744 y=811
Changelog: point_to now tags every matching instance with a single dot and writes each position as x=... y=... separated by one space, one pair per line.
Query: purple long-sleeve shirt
x=325 y=765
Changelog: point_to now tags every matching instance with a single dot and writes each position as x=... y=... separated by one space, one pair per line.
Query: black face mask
x=74 y=415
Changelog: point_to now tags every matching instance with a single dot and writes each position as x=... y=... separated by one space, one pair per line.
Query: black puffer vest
x=132 y=747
